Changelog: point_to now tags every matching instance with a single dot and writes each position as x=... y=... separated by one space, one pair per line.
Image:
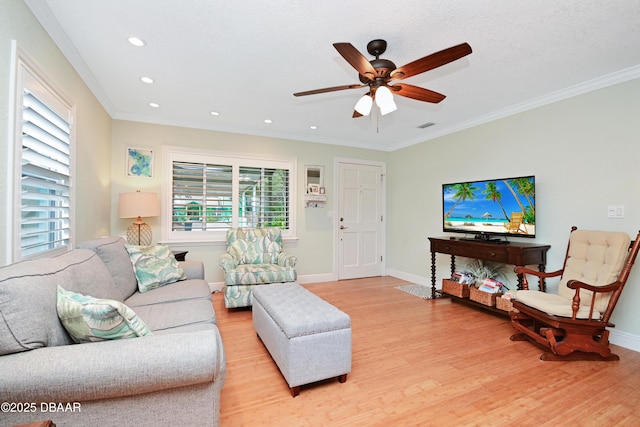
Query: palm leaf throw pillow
x=89 y=319
x=154 y=266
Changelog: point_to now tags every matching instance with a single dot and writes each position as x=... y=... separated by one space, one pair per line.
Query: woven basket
x=483 y=297
x=505 y=304
x=455 y=288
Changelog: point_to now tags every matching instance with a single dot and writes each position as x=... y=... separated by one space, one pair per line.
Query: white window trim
x=171 y=153
x=23 y=67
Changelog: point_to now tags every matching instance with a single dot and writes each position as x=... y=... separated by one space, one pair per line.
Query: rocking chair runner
x=572 y=325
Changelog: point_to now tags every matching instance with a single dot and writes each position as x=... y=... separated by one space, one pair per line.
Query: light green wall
x=315 y=227
x=93 y=129
x=583 y=151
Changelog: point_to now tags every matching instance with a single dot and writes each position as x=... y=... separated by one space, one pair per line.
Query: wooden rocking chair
x=572 y=325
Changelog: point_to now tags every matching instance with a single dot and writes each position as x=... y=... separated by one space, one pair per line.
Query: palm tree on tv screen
x=463 y=191
x=491 y=190
x=524 y=188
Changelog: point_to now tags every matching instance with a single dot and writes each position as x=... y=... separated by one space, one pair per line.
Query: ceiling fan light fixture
x=378 y=73
x=388 y=108
x=364 y=104
x=384 y=100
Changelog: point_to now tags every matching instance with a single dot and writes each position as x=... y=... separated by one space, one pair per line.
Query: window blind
x=215 y=197
x=202 y=196
x=264 y=197
x=45 y=184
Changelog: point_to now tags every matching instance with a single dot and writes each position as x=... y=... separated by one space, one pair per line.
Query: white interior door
x=360 y=219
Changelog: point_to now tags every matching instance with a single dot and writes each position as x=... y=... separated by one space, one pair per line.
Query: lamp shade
x=138 y=204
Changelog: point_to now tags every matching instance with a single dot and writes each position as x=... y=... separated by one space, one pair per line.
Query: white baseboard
x=625 y=339
x=317 y=278
x=413 y=278
x=216 y=286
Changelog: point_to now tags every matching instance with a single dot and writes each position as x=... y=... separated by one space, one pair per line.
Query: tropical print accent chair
x=254 y=257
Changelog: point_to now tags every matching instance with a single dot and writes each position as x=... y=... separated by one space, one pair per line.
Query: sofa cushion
x=114 y=255
x=87 y=274
x=177 y=291
x=154 y=266
x=255 y=274
x=89 y=319
x=175 y=314
x=28 y=316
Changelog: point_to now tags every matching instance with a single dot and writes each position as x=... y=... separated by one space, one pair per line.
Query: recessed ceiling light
x=215 y=113
x=136 y=41
x=154 y=105
x=268 y=121
x=147 y=79
x=313 y=127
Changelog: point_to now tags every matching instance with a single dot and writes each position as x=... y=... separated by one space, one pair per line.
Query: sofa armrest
x=193 y=269
x=287 y=260
x=227 y=262
x=110 y=369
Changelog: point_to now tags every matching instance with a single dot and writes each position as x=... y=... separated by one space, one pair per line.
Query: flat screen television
x=490 y=209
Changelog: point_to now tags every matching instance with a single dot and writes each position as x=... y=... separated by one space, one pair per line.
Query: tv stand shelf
x=471 y=303
x=514 y=253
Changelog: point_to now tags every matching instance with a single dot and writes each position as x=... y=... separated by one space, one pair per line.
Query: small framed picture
x=139 y=162
x=321 y=190
x=313 y=189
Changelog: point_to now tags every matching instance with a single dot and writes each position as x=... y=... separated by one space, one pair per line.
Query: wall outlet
x=615 y=212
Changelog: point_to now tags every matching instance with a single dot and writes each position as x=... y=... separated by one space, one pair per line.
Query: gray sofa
x=173 y=377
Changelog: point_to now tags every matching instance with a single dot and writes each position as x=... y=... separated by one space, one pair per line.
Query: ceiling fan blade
x=356 y=114
x=430 y=62
x=415 y=92
x=327 y=89
x=356 y=59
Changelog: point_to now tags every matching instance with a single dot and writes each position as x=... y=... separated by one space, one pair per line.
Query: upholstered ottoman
x=308 y=338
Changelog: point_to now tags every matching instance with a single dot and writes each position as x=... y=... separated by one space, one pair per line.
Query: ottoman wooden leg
x=295 y=391
x=342 y=378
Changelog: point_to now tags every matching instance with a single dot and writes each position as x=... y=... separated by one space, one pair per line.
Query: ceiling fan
x=378 y=73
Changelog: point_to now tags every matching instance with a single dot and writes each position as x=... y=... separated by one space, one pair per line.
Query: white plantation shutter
x=202 y=196
x=45 y=177
x=264 y=196
x=212 y=193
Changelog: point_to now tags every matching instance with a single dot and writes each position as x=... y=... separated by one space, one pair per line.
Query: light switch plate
x=615 y=212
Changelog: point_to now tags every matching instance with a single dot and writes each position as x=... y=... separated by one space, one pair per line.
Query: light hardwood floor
x=423 y=362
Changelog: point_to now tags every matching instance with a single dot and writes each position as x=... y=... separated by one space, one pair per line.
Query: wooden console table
x=514 y=253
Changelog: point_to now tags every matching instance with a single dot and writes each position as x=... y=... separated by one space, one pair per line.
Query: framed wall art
x=139 y=162
x=313 y=189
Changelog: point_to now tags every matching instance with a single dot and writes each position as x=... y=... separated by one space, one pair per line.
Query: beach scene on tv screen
x=501 y=206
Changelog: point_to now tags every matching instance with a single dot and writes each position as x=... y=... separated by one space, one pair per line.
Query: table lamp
x=138 y=205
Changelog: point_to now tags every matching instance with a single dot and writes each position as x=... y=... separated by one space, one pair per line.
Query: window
x=211 y=193
x=43 y=167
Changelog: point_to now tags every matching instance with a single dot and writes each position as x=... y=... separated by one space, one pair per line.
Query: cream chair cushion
x=596 y=258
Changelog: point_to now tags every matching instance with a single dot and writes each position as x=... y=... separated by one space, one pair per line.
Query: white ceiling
x=245 y=59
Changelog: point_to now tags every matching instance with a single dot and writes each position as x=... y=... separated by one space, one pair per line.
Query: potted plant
x=485 y=270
